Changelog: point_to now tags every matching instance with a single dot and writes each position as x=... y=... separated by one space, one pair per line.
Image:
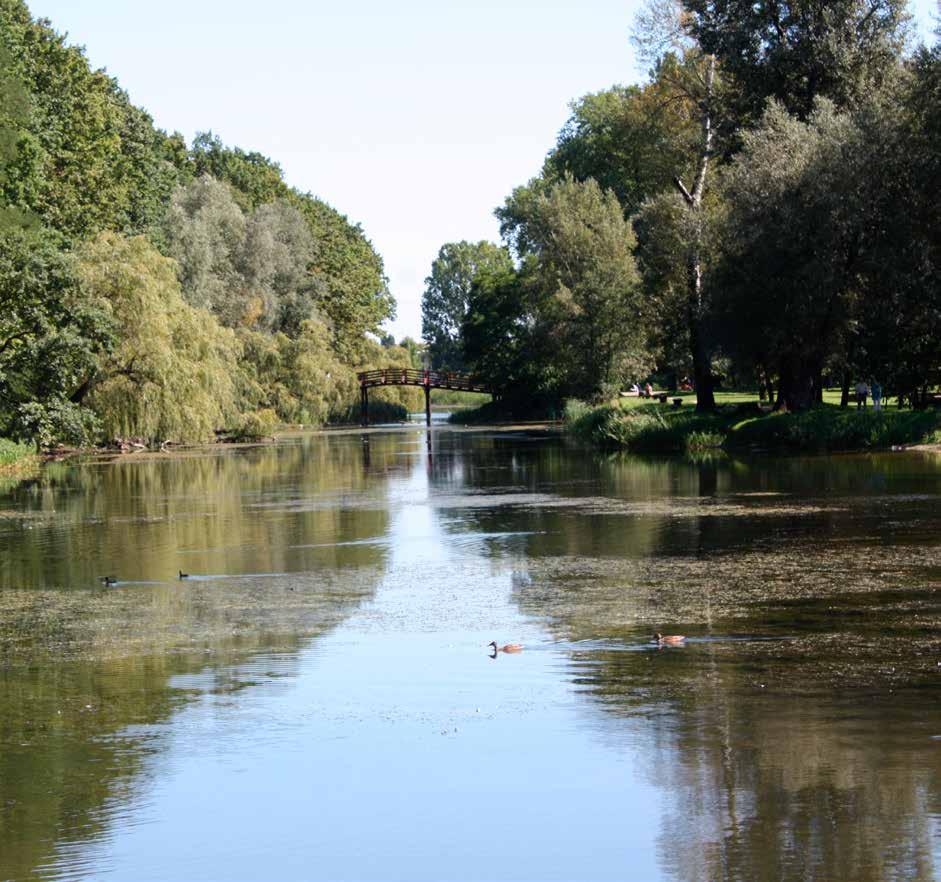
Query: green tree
x=50 y=338
x=793 y=51
x=689 y=75
x=632 y=140
x=581 y=287
x=249 y=270
x=416 y=351
x=354 y=296
x=447 y=292
x=507 y=342
x=254 y=178
x=898 y=331
x=14 y=116
x=171 y=375
x=795 y=238
x=87 y=159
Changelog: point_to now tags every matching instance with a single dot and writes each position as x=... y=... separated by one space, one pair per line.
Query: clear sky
x=414 y=118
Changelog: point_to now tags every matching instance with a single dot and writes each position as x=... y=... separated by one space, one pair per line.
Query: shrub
x=56 y=422
x=255 y=425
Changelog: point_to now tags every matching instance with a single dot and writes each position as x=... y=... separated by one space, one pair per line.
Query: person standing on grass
x=862 y=391
x=876 y=396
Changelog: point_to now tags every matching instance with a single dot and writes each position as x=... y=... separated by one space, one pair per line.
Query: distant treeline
x=763 y=210
x=157 y=289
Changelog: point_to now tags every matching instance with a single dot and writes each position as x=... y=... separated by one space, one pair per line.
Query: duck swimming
x=183 y=575
x=669 y=640
x=509 y=647
x=108 y=580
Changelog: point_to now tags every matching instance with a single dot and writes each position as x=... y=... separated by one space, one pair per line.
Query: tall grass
x=13 y=453
x=653 y=428
x=17 y=463
x=649 y=429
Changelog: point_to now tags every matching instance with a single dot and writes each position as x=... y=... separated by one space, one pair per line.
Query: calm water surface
x=316 y=700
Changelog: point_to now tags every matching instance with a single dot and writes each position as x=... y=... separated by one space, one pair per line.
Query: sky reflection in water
x=319 y=703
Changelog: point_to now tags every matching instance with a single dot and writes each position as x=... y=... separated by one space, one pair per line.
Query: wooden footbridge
x=424 y=379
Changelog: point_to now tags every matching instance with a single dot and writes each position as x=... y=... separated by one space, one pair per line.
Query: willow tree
x=300 y=377
x=171 y=374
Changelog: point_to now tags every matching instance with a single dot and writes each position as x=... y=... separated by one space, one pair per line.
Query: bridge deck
x=426 y=380
x=422 y=378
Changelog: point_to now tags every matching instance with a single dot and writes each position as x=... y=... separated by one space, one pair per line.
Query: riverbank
x=17 y=460
x=656 y=428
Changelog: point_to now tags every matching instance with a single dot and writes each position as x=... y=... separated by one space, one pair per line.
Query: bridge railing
x=419 y=377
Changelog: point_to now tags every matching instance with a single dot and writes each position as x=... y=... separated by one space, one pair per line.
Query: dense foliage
x=447 y=295
x=780 y=171
x=150 y=288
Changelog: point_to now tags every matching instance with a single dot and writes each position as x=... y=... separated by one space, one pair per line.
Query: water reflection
x=794 y=737
x=809 y=754
x=90 y=675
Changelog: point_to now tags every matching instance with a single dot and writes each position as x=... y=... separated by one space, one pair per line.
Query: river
x=316 y=700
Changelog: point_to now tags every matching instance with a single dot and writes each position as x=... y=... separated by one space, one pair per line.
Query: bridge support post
x=364 y=405
x=427 y=405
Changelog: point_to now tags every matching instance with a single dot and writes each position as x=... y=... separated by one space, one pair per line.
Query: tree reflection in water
x=87 y=674
x=791 y=739
x=794 y=739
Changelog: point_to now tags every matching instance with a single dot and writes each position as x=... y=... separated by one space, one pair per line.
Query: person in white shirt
x=862 y=393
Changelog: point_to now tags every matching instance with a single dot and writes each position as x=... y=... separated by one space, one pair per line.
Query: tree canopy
x=137 y=271
x=447 y=294
x=779 y=168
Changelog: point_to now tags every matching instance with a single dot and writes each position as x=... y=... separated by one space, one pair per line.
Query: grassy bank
x=17 y=461
x=655 y=428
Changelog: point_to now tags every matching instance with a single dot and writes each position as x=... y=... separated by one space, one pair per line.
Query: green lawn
x=830 y=396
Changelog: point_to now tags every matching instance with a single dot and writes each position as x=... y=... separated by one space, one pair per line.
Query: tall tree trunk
x=702 y=369
x=845 y=392
x=799 y=386
x=696 y=302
